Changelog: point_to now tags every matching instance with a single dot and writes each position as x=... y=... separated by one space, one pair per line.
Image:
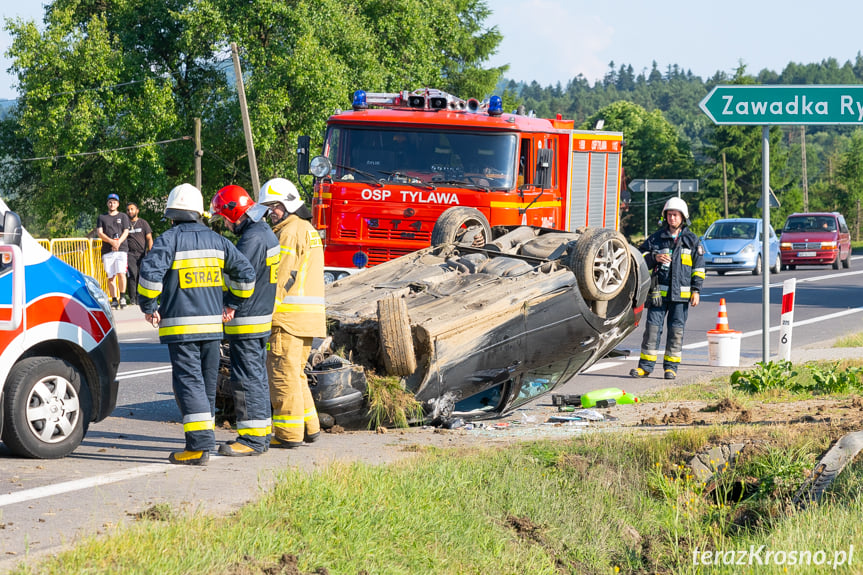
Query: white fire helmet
x=186 y=197
x=678 y=204
x=282 y=191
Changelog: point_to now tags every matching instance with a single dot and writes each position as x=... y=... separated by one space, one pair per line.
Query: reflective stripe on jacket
x=182 y=277
x=686 y=272
x=254 y=316
x=300 y=284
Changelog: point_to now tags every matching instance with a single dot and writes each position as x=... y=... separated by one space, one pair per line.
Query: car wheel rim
x=53 y=409
x=611 y=266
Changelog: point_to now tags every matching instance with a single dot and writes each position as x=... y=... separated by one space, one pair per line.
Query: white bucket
x=723 y=348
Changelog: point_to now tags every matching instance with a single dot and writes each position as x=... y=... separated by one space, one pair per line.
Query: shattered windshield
x=470 y=159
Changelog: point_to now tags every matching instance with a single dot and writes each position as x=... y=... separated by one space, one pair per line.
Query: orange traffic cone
x=722 y=318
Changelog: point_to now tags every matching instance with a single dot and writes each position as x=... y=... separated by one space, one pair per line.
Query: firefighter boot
x=237 y=449
x=311 y=437
x=638 y=372
x=277 y=443
x=189 y=457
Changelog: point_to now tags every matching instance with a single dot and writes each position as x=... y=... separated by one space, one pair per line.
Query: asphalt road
x=120 y=469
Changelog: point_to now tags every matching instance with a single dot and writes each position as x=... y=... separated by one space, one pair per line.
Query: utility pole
x=247 y=128
x=805 y=177
x=725 y=184
x=198 y=153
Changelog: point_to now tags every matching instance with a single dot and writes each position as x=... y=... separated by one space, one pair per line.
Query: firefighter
x=180 y=291
x=298 y=317
x=247 y=333
x=676 y=258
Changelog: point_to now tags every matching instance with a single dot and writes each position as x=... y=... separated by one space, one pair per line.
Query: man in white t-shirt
x=113 y=229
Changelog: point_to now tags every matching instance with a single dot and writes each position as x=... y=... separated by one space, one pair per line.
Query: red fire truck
x=397 y=164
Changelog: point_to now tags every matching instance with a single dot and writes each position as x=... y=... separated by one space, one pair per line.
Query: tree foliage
x=106 y=75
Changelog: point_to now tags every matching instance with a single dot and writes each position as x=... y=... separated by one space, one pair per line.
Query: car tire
x=836 y=262
x=601 y=262
x=397 y=345
x=759 y=267
x=846 y=263
x=791 y=266
x=461 y=225
x=57 y=429
x=720 y=272
x=777 y=267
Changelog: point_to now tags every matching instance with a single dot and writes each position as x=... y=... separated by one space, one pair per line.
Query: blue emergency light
x=495 y=106
x=360 y=259
x=360 y=100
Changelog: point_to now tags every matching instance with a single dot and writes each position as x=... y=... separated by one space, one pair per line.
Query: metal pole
x=247 y=128
x=645 y=209
x=765 y=244
x=679 y=188
x=198 y=153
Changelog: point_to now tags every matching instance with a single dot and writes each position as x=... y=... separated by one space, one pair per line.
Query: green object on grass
x=606 y=397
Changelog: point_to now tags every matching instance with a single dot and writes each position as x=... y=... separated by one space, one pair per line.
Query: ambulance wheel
x=601 y=263
x=461 y=225
x=47 y=408
x=397 y=346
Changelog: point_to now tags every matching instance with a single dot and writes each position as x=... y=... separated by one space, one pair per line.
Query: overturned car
x=477 y=331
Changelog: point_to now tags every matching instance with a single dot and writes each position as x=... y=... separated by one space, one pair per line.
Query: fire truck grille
x=381 y=255
x=348 y=233
x=408 y=234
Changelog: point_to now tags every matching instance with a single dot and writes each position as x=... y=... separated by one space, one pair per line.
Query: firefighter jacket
x=300 y=283
x=685 y=274
x=182 y=277
x=254 y=316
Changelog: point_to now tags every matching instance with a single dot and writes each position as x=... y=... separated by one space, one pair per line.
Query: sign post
x=765 y=106
x=662 y=186
x=786 y=320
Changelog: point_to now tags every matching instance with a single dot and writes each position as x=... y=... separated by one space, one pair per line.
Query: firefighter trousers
x=251 y=391
x=294 y=414
x=675 y=313
x=194 y=375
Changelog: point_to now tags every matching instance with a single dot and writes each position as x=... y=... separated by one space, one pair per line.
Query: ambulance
x=59 y=351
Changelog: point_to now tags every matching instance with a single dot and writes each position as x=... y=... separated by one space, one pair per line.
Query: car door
x=844 y=239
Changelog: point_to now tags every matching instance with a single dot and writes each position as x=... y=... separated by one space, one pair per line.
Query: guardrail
x=83 y=254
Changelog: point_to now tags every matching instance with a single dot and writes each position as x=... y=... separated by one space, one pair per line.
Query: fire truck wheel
x=601 y=263
x=397 y=346
x=461 y=225
x=47 y=408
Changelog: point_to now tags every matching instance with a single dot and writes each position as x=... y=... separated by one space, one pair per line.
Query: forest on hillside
x=834 y=162
x=108 y=100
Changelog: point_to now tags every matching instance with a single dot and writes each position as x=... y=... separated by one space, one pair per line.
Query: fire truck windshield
x=483 y=160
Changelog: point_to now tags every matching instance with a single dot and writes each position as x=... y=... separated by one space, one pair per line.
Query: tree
x=119 y=74
x=653 y=149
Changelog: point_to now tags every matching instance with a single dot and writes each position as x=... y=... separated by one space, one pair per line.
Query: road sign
x=665 y=186
x=774 y=201
x=785 y=105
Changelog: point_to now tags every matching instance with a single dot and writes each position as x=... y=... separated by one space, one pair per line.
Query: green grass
x=596 y=504
x=853 y=340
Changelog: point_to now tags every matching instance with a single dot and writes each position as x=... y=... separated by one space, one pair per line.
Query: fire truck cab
x=401 y=171
x=59 y=352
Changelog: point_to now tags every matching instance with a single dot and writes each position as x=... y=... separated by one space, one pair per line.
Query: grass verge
x=602 y=503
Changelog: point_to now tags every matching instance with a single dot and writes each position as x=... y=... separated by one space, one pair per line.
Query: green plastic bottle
x=606 y=397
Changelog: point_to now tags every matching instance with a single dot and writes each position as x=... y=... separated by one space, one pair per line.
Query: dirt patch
x=681 y=415
x=727 y=405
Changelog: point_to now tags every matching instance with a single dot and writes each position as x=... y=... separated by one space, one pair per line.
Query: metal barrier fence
x=83 y=254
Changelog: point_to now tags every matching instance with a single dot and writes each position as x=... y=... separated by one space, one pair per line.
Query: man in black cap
x=113 y=228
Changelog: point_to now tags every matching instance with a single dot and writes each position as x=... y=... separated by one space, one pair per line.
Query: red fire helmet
x=231 y=202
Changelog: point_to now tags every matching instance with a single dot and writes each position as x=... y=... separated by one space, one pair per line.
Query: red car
x=815 y=238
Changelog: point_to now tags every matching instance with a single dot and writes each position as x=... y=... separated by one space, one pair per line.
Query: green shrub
x=764 y=376
x=832 y=380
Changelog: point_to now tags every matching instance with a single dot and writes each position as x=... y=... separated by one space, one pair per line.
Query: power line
x=99 y=151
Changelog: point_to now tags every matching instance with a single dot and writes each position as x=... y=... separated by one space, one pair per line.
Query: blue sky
x=555 y=40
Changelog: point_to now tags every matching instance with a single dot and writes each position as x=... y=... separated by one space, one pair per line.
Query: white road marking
x=779 y=284
x=78 y=484
x=135 y=339
x=608 y=364
x=143 y=372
